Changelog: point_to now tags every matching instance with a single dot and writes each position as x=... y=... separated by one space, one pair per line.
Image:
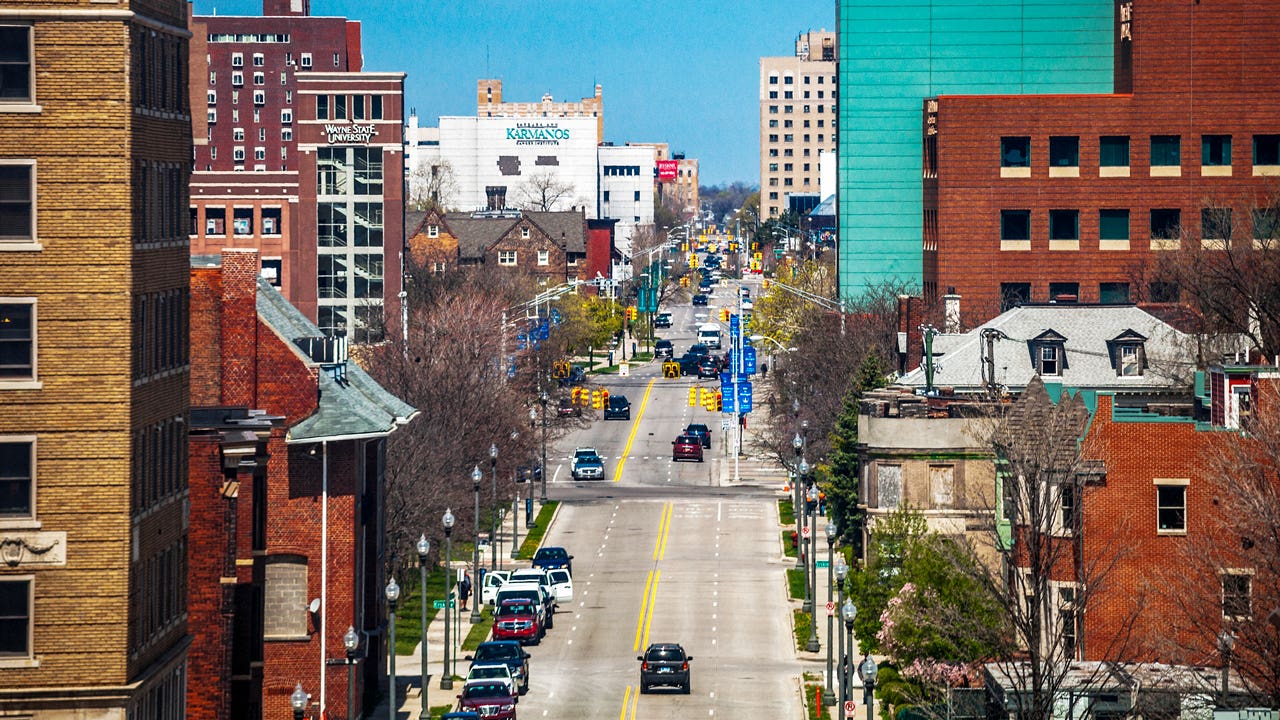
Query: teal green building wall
x=895 y=53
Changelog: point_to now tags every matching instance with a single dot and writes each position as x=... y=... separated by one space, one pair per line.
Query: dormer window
x=1128 y=353
x=1048 y=354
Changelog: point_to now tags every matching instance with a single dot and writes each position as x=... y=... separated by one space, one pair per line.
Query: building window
x=1013 y=295
x=1064 y=151
x=1237 y=595
x=17 y=202
x=237 y=59
x=433 y=231
x=1166 y=150
x=888 y=486
x=259 y=78
x=286 y=135
x=1015 y=152
x=773 y=79
x=788 y=80
x=322 y=107
x=1129 y=360
x=1113 y=151
x=16 y=77
x=524 y=233
x=1064 y=224
x=336 y=59
x=1015 y=224
x=237 y=79
x=1215 y=223
x=1266 y=150
x=1166 y=223
x=1113 y=224
x=375 y=107
x=259 y=97
x=305 y=60
x=15 y=618
x=544 y=257
x=237 y=154
x=1264 y=223
x=237 y=134
x=1113 y=293
x=286 y=117
x=942 y=485
x=1171 y=506
x=1064 y=292
x=271 y=221
x=259 y=153
x=17 y=478
x=259 y=60
x=242 y=221
x=1215 y=150
x=17 y=340
x=213 y=118
x=507 y=257
x=1049 y=360
x=212 y=97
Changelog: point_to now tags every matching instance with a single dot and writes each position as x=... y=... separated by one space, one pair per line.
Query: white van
x=709 y=334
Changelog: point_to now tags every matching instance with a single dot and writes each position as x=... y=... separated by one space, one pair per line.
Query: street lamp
x=867 y=671
x=848 y=612
x=841 y=571
x=499 y=519
x=831 y=540
x=543 y=399
x=446 y=677
x=424 y=547
x=1226 y=643
x=392 y=593
x=804 y=553
x=811 y=591
x=351 y=641
x=797 y=443
x=542 y=470
x=298 y=701
x=493 y=527
x=476 y=477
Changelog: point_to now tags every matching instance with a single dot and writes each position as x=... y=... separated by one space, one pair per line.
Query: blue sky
x=685 y=72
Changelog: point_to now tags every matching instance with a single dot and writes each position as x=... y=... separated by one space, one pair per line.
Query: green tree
x=872 y=586
x=839 y=476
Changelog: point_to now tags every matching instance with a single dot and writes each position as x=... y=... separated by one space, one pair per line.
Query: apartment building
x=95 y=152
x=798 y=95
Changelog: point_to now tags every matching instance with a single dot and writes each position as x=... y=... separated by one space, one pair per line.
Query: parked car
x=550 y=557
x=700 y=431
x=536 y=576
x=686 y=447
x=587 y=464
x=700 y=299
x=493 y=581
x=492 y=671
x=490 y=698
x=664 y=664
x=709 y=367
x=619 y=408
x=518 y=620
x=561 y=585
x=567 y=408
x=662 y=320
x=663 y=349
x=507 y=652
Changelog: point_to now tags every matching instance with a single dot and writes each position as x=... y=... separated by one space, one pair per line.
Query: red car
x=490 y=698
x=686 y=447
x=517 y=620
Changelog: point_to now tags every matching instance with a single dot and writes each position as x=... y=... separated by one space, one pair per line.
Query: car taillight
x=685 y=665
x=644 y=666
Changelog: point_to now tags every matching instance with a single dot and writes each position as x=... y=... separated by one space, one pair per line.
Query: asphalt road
x=662 y=553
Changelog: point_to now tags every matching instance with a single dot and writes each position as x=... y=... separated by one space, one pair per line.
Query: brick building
x=291 y=544
x=299 y=154
x=1060 y=197
x=797 y=118
x=93 y=359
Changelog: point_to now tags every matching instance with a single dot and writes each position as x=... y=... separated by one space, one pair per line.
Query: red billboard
x=667 y=170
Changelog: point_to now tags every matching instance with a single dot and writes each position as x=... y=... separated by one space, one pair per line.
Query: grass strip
x=533 y=538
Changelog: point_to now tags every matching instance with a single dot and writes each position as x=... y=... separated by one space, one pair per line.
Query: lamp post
x=806 y=544
x=499 y=519
x=515 y=525
x=494 y=525
x=298 y=701
x=867 y=671
x=541 y=472
x=797 y=442
x=831 y=540
x=812 y=592
x=476 y=477
x=543 y=399
x=848 y=613
x=1226 y=643
x=392 y=592
x=424 y=546
x=446 y=677
x=351 y=641
x=841 y=571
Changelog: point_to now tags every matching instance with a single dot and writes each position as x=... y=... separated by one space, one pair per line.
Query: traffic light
x=560 y=369
x=719 y=401
x=631 y=313
x=604 y=398
x=595 y=400
x=693 y=397
x=724 y=314
x=576 y=394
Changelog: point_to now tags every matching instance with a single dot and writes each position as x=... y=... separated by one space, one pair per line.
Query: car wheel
x=699 y=458
x=685 y=689
x=644 y=689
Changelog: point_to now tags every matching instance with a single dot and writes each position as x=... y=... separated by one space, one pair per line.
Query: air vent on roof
x=323 y=350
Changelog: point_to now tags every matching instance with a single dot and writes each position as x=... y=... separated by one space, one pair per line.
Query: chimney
x=239 y=327
x=951 y=312
x=281 y=8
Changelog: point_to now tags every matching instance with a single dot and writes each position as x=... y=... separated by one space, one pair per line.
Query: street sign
x=725 y=423
x=831 y=609
x=804 y=530
x=849 y=708
x=821 y=563
x=439 y=604
x=624 y=370
x=734 y=324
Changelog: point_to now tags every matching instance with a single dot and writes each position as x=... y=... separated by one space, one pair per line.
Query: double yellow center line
x=629 y=699
x=635 y=426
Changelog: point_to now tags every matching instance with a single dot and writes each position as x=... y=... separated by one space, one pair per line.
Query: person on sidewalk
x=464 y=591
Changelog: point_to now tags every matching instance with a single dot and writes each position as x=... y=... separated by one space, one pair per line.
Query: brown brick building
x=93 y=359
x=1061 y=197
x=288 y=446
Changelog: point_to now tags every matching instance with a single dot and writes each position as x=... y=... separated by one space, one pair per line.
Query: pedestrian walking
x=464 y=591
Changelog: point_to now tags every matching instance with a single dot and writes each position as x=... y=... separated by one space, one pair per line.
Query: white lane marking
x=718 y=508
x=575 y=627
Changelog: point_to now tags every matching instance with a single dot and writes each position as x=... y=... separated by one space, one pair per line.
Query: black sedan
x=700 y=299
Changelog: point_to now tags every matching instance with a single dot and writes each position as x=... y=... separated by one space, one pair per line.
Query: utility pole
x=928 y=331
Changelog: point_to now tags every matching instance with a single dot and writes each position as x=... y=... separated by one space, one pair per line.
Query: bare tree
x=433 y=186
x=544 y=192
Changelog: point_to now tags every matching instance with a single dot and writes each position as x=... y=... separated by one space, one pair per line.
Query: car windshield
x=617 y=402
x=496 y=652
x=484 y=689
x=484 y=672
x=559 y=576
x=665 y=654
x=551 y=554
x=515 y=609
x=585 y=453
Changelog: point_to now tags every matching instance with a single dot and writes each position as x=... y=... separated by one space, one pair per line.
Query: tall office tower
x=797 y=119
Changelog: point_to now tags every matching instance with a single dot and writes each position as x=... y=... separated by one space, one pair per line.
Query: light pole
x=806 y=543
x=848 y=612
x=841 y=570
x=494 y=526
x=499 y=519
x=798 y=503
x=543 y=398
x=814 y=645
x=446 y=677
x=298 y=701
x=424 y=546
x=392 y=592
x=542 y=471
x=351 y=641
x=476 y=477
x=867 y=671
x=1226 y=643
x=831 y=540
x=515 y=525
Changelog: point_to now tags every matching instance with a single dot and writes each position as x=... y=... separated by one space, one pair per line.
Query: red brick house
x=287 y=451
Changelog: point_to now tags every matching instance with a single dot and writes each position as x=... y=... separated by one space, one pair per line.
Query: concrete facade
x=626 y=189
x=489 y=103
x=797 y=118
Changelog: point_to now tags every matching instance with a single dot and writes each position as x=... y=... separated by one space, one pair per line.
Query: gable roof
x=413 y=221
x=355 y=408
x=1088 y=332
x=567 y=227
x=477 y=234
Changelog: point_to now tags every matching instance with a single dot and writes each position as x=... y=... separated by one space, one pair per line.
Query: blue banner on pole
x=749 y=360
x=735 y=324
x=727 y=403
x=522 y=341
x=544 y=329
x=744 y=397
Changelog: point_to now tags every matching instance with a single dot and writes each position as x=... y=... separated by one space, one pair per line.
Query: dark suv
x=509 y=653
x=619 y=408
x=700 y=431
x=518 y=620
x=550 y=557
x=663 y=349
x=709 y=367
x=686 y=447
x=664 y=664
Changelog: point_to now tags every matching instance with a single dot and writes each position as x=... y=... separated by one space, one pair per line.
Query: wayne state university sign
x=362 y=134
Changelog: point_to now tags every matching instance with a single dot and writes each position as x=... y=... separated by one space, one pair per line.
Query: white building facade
x=626 y=189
